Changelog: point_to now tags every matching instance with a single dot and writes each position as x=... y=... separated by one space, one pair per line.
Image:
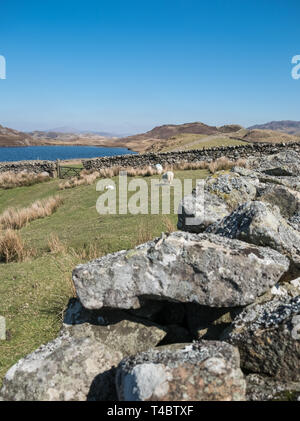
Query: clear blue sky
x=126 y=66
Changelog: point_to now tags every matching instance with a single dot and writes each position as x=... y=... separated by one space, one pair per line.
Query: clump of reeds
x=224 y=163
x=85 y=179
x=9 y=179
x=13 y=218
x=12 y=247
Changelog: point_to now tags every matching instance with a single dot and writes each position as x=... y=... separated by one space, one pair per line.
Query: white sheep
x=168 y=177
x=159 y=168
x=110 y=187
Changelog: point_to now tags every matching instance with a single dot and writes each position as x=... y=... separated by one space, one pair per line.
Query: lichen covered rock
x=261 y=224
x=79 y=364
x=213 y=199
x=184 y=267
x=197 y=372
x=286 y=163
x=268 y=337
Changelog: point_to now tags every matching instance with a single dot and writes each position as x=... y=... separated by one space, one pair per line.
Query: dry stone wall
x=30 y=166
x=170 y=158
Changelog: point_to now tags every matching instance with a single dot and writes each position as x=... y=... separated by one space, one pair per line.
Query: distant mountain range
x=160 y=139
x=284 y=126
x=71 y=130
x=197 y=135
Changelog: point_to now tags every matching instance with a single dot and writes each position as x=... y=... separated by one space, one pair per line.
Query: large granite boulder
x=232 y=187
x=286 y=163
x=79 y=364
x=198 y=372
x=184 y=267
x=214 y=199
x=268 y=337
x=286 y=199
x=292 y=183
x=198 y=210
x=65 y=369
x=261 y=224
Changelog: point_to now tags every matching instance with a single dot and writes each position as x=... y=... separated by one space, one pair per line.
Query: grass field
x=34 y=293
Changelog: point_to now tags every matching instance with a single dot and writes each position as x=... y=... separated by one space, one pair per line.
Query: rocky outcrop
x=262 y=224
x=233 y=188
x=285 y=163
x=79 y=364
x=213 y=200
x=201 y=268
x=195 y=214
x=267 y=335
x=198 y=372
x=65 y=369
x=286 y=199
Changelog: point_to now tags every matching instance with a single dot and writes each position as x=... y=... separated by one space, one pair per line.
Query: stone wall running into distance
x=29 y=166
x=170 y=158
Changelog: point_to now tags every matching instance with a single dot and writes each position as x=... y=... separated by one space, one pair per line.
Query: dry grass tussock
x=219 y=164
x=12 y=247
x=144 y=233
x=85 y=179
x=169 y=225
x=87 y=252
x=9 y=179
x=224 y=163
x=13 y=218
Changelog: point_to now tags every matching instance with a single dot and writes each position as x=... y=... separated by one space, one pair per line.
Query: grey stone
x=262 y=224
x=210 y=203
x=268 y=337
x=79 y=364
x=285 y=163
x=183 y=267
x=292 y=183
x=286 y=199
x=195 y=215
x=197 y=372
x=233 y=188
x=65 y=369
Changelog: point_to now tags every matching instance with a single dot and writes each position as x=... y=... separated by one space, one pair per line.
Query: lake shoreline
x=63 y=153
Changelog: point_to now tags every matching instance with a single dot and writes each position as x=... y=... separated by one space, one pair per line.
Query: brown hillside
x=260 y=136
x=10 y=137
x=169 y=130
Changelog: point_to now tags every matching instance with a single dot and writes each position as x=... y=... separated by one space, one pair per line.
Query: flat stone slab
x=203 y=268
x=197 y=372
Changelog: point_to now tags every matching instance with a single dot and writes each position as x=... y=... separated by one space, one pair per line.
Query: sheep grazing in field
x=159 y=168
x=110 y=187
x=168 y=177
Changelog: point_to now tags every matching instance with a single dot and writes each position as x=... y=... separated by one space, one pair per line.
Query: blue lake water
x=52 y=153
